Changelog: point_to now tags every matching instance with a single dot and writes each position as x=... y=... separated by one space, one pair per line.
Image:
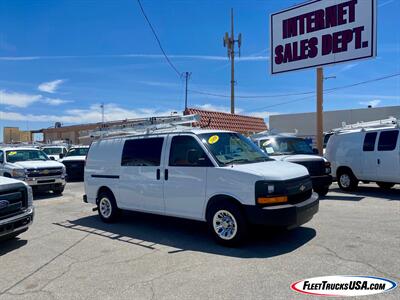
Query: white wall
x=305 y=123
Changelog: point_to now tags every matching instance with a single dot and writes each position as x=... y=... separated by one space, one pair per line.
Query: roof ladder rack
x=142 y=126
x=390 y=122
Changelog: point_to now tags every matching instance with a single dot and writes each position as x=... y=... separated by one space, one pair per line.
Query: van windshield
x=286 y=146
x=78 y=151
x=52 y=151
x=232 y=148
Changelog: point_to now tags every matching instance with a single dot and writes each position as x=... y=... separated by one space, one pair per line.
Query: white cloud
x=146 y=56
x=372 y=103
x=51 y=86
x=212 y=107
x=17 y=99
x=263 y=114
x=55 y=101
x=89 y=115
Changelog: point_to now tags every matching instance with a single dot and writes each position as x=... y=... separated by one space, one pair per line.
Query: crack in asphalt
x=334 y=253
x=44 y=265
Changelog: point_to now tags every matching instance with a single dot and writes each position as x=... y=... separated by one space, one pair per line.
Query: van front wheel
x=108 y=210
x=227 y=224
x=347 y=181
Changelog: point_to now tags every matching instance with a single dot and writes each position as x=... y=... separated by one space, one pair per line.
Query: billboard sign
x=322 y=32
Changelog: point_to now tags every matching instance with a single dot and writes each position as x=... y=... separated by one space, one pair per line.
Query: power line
x=329 y=91
x=158 y=40
x=296 y=94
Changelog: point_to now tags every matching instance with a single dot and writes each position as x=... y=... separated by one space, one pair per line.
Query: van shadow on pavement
x=368 y=191
x=149 y=230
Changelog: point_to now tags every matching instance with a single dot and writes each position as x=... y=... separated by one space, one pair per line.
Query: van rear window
x=388 y=140
x=142 y=152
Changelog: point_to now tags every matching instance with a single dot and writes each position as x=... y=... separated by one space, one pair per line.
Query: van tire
x=385 y=185
x=107 y=207
x=234 y=219
x=58 y=191
x=322 y=192
x=346 y=180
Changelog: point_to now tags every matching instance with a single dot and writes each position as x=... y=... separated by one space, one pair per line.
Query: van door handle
x=166 y=174
x=158 y=174
x=379 y=161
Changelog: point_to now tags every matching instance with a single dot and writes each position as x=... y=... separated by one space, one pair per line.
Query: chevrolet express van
x=219 y=177
x=367 y=152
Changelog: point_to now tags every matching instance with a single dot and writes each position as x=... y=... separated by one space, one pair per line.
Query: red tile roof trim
x=226 y=121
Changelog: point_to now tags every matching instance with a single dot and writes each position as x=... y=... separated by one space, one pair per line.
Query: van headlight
x=270 y=192
x=18 y=173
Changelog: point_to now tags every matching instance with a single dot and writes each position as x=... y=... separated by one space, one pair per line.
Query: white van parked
x=209 y=175
x=366 y=152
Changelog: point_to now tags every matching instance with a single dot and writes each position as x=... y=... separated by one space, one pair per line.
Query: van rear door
x=388 y=156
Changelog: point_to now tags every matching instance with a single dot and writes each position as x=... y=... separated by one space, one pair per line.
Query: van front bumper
x=286 y=215
x=17 y=223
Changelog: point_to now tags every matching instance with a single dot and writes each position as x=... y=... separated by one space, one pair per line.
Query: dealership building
x=305 y=123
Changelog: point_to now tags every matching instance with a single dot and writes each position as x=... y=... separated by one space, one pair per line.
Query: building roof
x=227 y=121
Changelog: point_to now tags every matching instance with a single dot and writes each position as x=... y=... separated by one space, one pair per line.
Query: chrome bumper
x=17 y=223
x=33 y=181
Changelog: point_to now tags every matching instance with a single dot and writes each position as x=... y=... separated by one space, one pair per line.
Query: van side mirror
x=61 y=155
x=315 y=151
x=52 y=158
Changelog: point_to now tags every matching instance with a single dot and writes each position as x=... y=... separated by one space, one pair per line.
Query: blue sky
x=60 y=60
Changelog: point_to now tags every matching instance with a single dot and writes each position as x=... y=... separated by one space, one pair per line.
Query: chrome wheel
x=345 y=180
x=225 y=225
x=105 y=207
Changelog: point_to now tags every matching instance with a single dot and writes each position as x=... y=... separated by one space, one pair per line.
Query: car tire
x=107 y=207
x=227 y=223
x=322 y=192
x=385 y=185
x=346 y=180
x=58 y=191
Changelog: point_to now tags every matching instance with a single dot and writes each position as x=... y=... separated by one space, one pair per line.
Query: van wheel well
x=103 y=190
x=342 y=169
x=221 y=198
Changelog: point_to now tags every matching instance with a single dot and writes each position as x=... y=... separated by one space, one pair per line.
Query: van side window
x=142 y=152
x=369 y=141
x=388 y=140
x=186 y=152
x=1 y=157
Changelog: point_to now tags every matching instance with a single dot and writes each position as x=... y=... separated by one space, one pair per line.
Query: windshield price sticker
x=12 y=153
x=213 y=139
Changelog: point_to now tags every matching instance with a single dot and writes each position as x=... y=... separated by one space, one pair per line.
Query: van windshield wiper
x=238 y=160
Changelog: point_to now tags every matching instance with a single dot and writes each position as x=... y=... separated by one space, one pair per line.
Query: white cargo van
x=366 y=152
x=209 y=175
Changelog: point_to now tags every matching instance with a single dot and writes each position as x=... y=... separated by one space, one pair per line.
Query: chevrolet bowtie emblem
x=302 y=188
x=45 y=172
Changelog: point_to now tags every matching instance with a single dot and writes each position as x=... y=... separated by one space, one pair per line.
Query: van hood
x=74 y=158
x=33 y=164
x=297 y=157
x=272 y=170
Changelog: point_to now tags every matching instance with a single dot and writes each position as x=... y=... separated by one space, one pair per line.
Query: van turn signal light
x=272 y=200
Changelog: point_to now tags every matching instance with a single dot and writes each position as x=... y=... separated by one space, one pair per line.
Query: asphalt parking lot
x=69 y=253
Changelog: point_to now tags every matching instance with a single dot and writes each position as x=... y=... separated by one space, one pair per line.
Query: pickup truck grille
x=315 y=168
x=13 y=202
x=44 y=172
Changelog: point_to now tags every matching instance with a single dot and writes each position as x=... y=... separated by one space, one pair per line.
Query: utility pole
x=229 y=43
x=320 y=110
x=187 y=76
x=102 y=113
